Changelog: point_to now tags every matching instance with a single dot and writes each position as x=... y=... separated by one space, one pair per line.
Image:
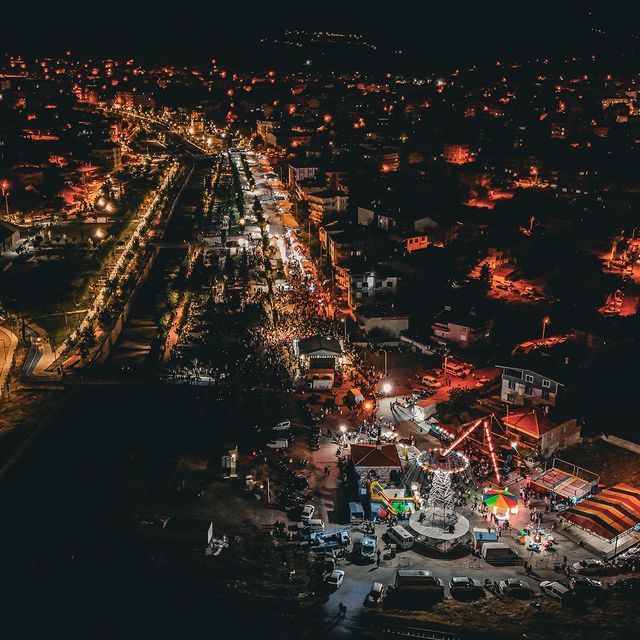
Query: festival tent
x=563 y=484
x=500 y=499
x=608 y=514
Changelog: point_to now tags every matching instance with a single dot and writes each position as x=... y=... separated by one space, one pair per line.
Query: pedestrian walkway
x=40 y=357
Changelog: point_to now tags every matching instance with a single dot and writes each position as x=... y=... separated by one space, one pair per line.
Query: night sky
x=427 y=32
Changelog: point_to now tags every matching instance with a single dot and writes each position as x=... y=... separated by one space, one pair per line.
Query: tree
x=87 y=340
x=165 y=322
x=459 y=403
x=485 y=274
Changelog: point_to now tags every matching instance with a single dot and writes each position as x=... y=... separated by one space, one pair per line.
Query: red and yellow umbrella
x=500 y=499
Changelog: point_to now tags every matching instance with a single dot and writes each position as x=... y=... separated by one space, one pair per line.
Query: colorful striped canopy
x=500 y=499
x=609 y=513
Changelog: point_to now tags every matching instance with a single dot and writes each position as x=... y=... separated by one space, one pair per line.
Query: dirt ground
x=508 y=617
x=613 y=464
x=18 y=417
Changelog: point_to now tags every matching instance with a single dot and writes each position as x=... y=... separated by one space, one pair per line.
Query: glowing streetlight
x=386 y=387
x=545 y=321
x=4 y=187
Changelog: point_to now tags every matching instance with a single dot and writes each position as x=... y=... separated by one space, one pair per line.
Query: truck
x=367 y=548
x=500 y=553
x=414 y=589
x=330 y=538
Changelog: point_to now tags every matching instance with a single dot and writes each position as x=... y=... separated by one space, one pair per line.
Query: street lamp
x=386 y=387
x=545 y=321
x=5 y=192
x=386 y=372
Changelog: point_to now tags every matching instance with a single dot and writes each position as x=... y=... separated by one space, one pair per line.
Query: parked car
x=515 y=588
x=375 y=596
x=464 y=582
x=585 y=586
x=591 y=566
x=282 y=426
x=280 y=443
x=307 y=512
x=554 y=589
x=431 y=381
x=336 y=578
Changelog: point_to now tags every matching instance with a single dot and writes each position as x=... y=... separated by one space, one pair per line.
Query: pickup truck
x=335 y=539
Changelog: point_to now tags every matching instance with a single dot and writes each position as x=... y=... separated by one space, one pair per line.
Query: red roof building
x=536 y=430
x=375 y=460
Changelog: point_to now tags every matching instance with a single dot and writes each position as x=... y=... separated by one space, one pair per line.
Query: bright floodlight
x=386 y=387
x=343 y=428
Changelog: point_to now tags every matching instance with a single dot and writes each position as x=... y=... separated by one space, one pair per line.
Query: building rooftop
x=371 y=455
x=319 y=343
x=532 y=423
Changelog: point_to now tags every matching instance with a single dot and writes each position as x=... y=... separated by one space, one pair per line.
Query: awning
x=608 y=514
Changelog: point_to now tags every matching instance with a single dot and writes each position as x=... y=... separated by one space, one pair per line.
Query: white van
x=401 y=537
x=554 y=589
x=458 y=370
x=431 y=381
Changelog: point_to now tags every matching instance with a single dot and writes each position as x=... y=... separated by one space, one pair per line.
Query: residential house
x=368 y=282
x=463 y=327
x=385 y=317
x=323 y=203
x=523 y=386
x=341 y=241
x=301 y=171
x=536 y=430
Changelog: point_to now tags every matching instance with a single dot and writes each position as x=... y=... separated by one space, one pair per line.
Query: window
x=528 y=389
x=389 y=283
x=512 y=385
x=528 y=378
x=545 y=394
x=546 y=383
x=511 y=397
